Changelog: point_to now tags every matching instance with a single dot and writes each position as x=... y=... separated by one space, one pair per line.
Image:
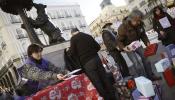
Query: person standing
x=164 y=25
x=84 y=47
x=39 y=71
x=132 y=29
x=109 y=38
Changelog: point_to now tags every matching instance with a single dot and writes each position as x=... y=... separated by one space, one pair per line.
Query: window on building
x=130 y=1
x=146 y=11
x=81 y=24
x=51 y=15
x=142 y=3
x=135 y=8
x=77 y=14
x=150 y=20
x=0 y=53
x=3 y=45
x=15 y=19
x=19 y=31
x=20 y=34
x=121 y=11
x=59 y=15
x=62 y=13
x=71 y=25
x=64 y=27
x=67 y=14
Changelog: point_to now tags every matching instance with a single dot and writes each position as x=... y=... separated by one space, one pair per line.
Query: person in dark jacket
x=110 y=41
x=132 y=29
x=38 y=70
x=84 y=47
x=163 y=24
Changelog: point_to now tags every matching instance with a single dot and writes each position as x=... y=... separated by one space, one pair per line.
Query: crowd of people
x=84 y=50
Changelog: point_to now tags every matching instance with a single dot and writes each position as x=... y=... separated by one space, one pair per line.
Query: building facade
x=110 y=13
x=146 y=6
x=14 y=40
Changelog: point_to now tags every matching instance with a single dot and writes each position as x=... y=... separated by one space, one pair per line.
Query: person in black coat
x=85 y=48
x=110 y=41
x=163 y=24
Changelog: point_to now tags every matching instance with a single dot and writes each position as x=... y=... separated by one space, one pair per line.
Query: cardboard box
x=162 y=65
x=145 y=86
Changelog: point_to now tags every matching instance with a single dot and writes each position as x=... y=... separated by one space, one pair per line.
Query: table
x=76 y=88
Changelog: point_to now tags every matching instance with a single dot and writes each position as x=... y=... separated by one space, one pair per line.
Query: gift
x=171 y=50
x=151 y=50
x=110 y=66
x=76 y=88
x=124 y=88
x=169 y=77
x=145 y=86
x=134 y=45
x=162 y=65
x=136 y=95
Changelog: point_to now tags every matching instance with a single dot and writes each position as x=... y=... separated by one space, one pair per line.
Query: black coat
x=84 y=47
x=109 y=40
x=170 y=32
x=71 y=62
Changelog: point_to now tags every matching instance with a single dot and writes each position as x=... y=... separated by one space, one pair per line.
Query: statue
x=19 y=7
x=42 y=22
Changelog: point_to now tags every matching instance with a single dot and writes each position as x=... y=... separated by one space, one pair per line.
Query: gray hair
x=135 y=13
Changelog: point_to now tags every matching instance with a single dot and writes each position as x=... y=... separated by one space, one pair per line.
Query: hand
x=127 y=49
x=118 y=48
x=162 y=33
x=148 y=44
x=60 y=76
x=67 y=49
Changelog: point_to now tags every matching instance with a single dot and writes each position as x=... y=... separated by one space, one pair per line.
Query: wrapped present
x=145 y=86
x=110 y=66
x=134 y=45
x=76 y=88
x=162 y=65
x=124 y=88
x=136 y=95
x=171 y=50
x=151 y=50
x=169 y=77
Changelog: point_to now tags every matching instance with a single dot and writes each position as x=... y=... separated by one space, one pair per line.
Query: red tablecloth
x=77 y=88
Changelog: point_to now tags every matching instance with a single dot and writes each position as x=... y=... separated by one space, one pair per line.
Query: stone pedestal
x=55 y=53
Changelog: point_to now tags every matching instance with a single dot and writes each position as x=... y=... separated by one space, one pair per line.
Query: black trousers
x=97 y=74
x=118 y=58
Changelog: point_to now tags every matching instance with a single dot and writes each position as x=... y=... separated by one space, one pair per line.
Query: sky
x=90 y=8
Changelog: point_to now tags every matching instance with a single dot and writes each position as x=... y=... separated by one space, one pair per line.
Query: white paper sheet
x=165 y=23
x=73 y=72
